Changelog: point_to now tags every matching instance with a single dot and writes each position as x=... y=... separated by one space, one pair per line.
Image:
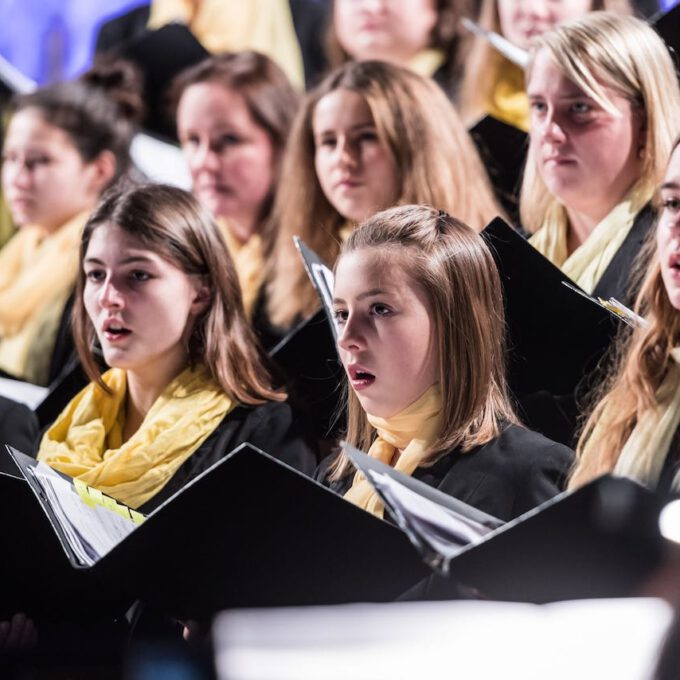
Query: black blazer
x=616 y=281
x=269 y=427
x=509 y=475
x=18 y=428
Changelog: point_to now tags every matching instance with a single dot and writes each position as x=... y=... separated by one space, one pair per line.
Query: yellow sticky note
x=96 y=495
x=136 y=517
x=81 y=489
x=109 y=503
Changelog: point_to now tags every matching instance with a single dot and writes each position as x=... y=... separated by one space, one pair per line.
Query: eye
x=380 y=309
x=671 y=204
x=327 y=140
x=537 y=106
x=340 y=316
x=139 y=276
x=95 y=275
x=368 y=136
x=580 y=108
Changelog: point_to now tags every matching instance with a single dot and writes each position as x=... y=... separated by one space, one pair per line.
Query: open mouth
x=360 y=378
x=114 y=331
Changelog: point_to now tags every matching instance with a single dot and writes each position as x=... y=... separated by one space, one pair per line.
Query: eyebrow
x=670 y=185
x=353 y=128
x=128 y=260
x=369 y=293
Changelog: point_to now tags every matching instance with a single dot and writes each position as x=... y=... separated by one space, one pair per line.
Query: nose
x=204 y=158
x=347 y=154
x=110 y=297
x=351 y=338
x=549 y=129
x=535 y=8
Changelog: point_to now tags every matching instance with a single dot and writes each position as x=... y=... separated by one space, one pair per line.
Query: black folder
x=601 y=540
x=308 y=359
x=161 y=55
x=555 y=335
x=503 y=149
x=250 y=531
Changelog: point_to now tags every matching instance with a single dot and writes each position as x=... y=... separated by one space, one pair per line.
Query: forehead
x=546 y=77
x=109 y=241
x=673 y=169
x=29 y=127
x=341 y=108
x=210 y=103
x=373 y=268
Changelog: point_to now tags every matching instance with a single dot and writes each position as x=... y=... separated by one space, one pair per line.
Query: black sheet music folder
x=601 y=540
x=555 y=335
x=250 y=531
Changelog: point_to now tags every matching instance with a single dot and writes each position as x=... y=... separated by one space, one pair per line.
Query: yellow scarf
x=236 y=25
x=412 y=431
x=589 y=261
x=249 y=263
x=644 y=453
x=86 y=442
x=37 y=271
x=508 y=100
x=426 y=62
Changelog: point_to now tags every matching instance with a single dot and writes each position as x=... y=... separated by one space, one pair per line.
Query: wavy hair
x=437 y=162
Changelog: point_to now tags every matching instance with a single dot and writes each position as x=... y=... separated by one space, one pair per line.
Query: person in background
x=372 y=135
x=633 y=430
x=493 y=85
x=605 y=109
x=64 y=145
x=423 y=35
x=418 y=303
x=234 y=113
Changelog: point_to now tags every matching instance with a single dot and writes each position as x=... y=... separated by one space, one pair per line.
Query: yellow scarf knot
x=86 y=440
x=412 y=431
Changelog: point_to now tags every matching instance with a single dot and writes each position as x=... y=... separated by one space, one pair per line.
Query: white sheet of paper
x=23 y=392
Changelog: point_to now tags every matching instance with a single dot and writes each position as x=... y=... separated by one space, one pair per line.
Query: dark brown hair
x=171 y=222
x=99 y=111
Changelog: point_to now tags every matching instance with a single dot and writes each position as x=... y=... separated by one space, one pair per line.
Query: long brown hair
x=483 y=63
x=436 y=159
x=454 y=267
x=170 y=222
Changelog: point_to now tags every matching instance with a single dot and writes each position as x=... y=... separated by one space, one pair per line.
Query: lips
x=360 y=378
x=114 y=330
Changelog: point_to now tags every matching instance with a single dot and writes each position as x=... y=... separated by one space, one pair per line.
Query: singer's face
x=668 y=230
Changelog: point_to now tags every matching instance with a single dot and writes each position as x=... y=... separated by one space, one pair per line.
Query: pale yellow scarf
x=235 y=25
x=426 y=62
x=37 y=271
x=644 y=453
x=86 y=441
x=249 y=262
x=508 y=101
x=412 y=431
x=586 y=265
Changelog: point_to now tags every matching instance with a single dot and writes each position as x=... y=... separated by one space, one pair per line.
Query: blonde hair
x=171 y=222
x=435 y=157
x=483 y=63
x=599 y=50
x=453 y=266
x=640 y=362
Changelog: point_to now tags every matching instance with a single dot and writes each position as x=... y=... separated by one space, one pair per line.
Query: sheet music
x=91 y=530
x=23 y=392
x=160 y=161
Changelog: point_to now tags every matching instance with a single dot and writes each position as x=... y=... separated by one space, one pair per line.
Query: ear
x=102 y=170
x=641 y=130
x=202 y=296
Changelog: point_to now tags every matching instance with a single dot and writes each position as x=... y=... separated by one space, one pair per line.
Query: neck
x=143 y=388
x=582 y=223
x=241 y=229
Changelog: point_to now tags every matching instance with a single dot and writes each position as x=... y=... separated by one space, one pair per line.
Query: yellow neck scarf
x=236 y=25
x=508 y=100
x=412 y=431
x=37 y=271
x=644 y=453
x=589 y=261
x=249 y=263
x=426 y=62
x=86 y=440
